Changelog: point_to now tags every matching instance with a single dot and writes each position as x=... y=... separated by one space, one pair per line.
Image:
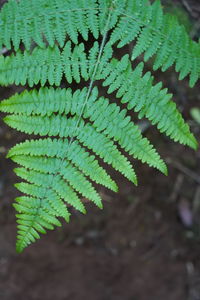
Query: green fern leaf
x=66 y=42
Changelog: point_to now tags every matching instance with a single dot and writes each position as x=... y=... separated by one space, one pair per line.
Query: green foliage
x=195 y=113
x=78 y=130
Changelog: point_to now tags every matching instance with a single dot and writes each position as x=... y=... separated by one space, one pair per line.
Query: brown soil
x=138 y=248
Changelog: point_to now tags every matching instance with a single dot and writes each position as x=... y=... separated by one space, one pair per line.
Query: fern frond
x=80 y=130
x=63 y=162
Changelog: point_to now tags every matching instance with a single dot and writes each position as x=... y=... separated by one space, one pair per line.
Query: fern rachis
x=79 y=129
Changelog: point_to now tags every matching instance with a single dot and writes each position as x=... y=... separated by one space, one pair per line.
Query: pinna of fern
x=80 y=129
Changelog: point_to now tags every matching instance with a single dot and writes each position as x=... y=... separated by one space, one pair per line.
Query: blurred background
x=145 y=244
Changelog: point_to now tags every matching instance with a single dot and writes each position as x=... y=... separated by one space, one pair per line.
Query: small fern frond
x=65 y=163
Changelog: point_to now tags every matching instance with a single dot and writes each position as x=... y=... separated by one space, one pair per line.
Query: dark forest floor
x=138 y=248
